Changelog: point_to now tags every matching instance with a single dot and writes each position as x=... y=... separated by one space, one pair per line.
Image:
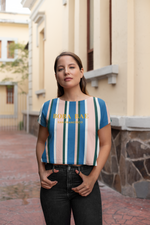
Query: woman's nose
x=66 y=70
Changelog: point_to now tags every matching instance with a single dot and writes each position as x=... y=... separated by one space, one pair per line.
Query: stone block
x=114 y=164
x=140 y=166
x=132 y=174
x=122 y=166
x=147 y=164
x=125 y=136
x=113 y=148
x=144 y=136
x=115 y=133
x=107 y=178
x=136 y=149
x=124 y=139
x=142 y=189
x=107 y=166
x=128 y=191
x=117 y=183
x=118 y=151
x=118 y=139
x=34 y=126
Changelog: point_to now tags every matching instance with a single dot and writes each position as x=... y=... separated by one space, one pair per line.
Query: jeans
x=58 y=201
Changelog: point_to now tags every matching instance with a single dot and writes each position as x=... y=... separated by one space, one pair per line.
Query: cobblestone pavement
x=19 y=188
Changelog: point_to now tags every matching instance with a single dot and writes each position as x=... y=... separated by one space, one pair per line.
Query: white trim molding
x=36 y=9
x=4 y=49
x=38 y=19
x=40 y=92
x=64 y=2
x=33 y=113
x=131 y=123
x=28 y=3
x=14 y=21
x=107 y=72
x=15 y=13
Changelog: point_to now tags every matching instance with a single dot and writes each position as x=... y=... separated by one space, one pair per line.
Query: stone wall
x=127 y=169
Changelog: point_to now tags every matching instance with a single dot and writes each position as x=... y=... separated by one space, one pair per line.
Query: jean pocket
x=86 y=170
x=53 y=176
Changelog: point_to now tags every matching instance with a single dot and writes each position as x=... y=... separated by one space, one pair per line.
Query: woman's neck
x=73 y=95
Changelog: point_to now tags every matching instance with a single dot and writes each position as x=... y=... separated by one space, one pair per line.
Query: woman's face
x=68 y=73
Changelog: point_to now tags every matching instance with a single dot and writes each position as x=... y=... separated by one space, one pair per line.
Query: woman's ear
x=82 y=72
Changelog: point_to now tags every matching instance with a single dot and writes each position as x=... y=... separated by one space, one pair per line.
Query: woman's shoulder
x=49 y=101
x=100 y=100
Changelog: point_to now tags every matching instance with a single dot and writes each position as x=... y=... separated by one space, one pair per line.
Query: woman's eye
x=60 y=69
x=71 y=67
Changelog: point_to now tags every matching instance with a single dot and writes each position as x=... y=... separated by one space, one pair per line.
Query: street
x=19 y=188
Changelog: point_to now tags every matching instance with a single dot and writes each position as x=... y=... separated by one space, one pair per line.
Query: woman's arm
x=105 y=146
x=42 y=136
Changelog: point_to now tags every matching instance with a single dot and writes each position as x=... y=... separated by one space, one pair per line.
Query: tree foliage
x=18 y=66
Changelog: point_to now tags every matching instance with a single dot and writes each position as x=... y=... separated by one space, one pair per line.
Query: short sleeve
x=104 y=114
x=42 y=116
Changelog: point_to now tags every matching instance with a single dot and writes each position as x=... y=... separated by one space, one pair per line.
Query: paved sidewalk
x=19 y=188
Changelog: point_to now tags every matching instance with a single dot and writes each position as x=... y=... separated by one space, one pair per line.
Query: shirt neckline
x=77 y=100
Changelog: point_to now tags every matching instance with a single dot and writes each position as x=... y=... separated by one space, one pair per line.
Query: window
x=90 y=20
x=10 y=51
x=10 y=94
x=0 y=49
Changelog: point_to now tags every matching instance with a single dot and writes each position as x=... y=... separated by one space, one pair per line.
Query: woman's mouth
x=67 y=79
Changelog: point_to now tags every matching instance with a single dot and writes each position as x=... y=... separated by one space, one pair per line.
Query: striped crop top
x=73 y=126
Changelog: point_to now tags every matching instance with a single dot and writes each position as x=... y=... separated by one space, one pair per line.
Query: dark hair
x=60 y=89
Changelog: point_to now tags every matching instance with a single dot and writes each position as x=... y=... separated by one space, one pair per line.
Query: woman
x=73 y=145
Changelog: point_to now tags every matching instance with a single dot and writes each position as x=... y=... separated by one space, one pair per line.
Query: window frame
x=89 y=51
x=4 y=41
x=7 y=94
x=8 y=50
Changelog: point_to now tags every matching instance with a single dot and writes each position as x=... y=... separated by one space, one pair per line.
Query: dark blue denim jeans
x=58 y=201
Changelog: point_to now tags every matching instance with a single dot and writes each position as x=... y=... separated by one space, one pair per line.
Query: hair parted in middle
x=60 y=89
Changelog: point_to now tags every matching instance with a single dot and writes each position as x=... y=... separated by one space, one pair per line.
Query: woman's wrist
x=93 y=177
x=41 y=167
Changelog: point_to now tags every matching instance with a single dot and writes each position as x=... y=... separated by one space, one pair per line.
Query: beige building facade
x=13 y=29
x=112 y=39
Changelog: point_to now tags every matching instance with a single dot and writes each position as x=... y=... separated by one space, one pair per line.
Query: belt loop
x=53 y=168
x=79 y=169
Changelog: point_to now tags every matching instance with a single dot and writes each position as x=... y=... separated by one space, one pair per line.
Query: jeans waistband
x=66 y=167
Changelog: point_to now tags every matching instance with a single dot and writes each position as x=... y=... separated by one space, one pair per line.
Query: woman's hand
x=45 y=182
x=86 y=187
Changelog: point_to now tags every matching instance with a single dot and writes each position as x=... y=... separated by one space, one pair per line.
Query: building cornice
x=28 y=3
x=108 y=72
x=39 y=17
x=14 y=21
x=40 y=92
x=131 y=123
x=15 y=13
x=4 y=83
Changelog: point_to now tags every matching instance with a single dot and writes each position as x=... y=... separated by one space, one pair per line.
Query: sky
x=16 y=6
